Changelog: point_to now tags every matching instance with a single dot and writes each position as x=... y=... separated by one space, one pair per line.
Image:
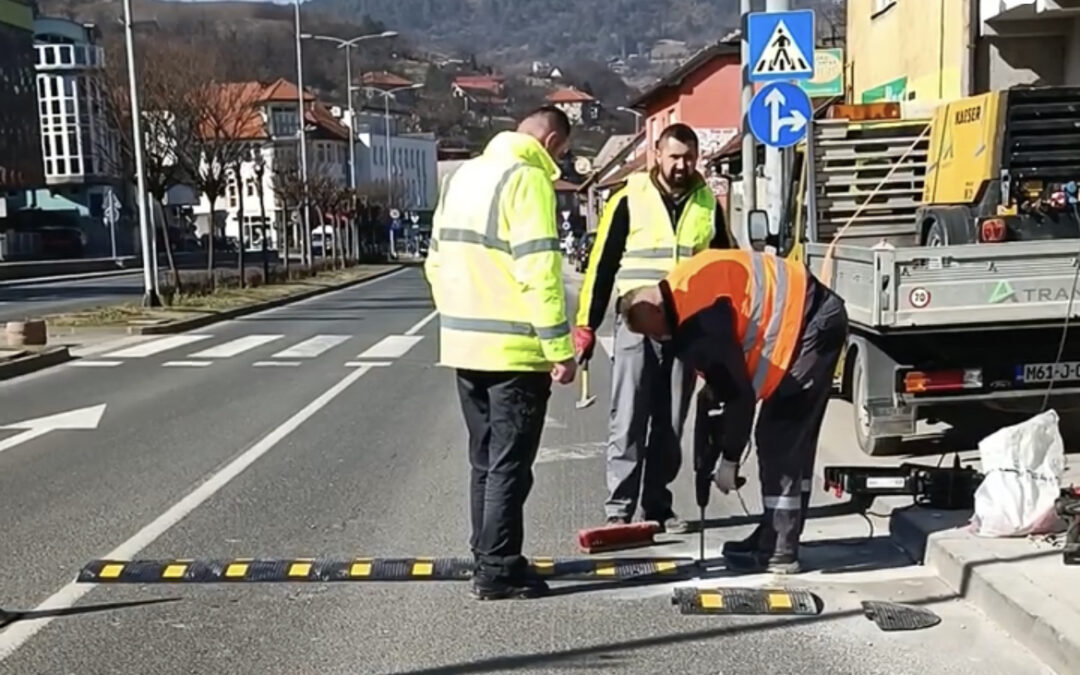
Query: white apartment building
x=412 y=166
x=79 y=150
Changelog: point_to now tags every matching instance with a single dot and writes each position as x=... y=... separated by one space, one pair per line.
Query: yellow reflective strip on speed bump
x=544 y=565
x=173 y=571
x=712 y=601
x=605 y=568
x=360 y=568
x=299 y=569
x=236 y=570
x=111 y=571
x=665 y=566
x=779 y=601
x=422 y=568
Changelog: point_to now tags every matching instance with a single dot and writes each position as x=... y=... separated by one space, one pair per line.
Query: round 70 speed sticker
x=919 y=298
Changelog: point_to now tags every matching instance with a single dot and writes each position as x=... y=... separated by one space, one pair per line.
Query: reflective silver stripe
x=658 y=252
x=807 y=485
x=787 y=503
x=773 y=329
x=757 y=289
x=490 y=237
x=554 y=332
x=486 y=325
x=535 y=246
x=504 y=327
x=650 y=275
x=686 y=251
x=472 y=237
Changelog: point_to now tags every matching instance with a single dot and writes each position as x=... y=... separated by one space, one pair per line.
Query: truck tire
x=875 y=446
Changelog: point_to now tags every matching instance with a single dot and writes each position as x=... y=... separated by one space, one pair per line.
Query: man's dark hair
x=556 y=118
x=681 y=133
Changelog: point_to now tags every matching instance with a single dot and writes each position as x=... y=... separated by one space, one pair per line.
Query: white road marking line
x=419 y=325
x=391 y=347
x=156 y=346
x=370 y=364
x=311 y=347
x=95 y=364
x=91 y=350
x=16 y=634
x=237 y=346
x=186 y=364
x=608 y=343
x=275 y=364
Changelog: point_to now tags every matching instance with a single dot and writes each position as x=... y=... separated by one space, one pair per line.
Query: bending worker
x=759 y=328
x=657 y=219
x=495 y=271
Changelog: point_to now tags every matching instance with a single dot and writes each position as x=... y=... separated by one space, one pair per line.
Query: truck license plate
x=1030 y=373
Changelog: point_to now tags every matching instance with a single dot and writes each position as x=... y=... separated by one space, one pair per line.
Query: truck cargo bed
x=955 y=287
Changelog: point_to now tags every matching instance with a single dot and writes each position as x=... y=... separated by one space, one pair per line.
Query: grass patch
x=187 y=305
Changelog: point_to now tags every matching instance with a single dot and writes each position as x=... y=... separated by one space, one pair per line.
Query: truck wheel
x=875 y=446
x=935 y=236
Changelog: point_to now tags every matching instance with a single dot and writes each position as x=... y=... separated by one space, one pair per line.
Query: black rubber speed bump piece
x=890 y=616
x=250 y=570
x=746 y=601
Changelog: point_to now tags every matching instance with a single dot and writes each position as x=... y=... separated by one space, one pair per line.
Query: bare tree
x=289 y=190
x=259 y=167
x=224 y=118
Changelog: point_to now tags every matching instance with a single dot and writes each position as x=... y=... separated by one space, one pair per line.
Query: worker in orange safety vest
x=758 y=328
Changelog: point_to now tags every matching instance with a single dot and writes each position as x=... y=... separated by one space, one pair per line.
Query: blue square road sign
x=781 y=45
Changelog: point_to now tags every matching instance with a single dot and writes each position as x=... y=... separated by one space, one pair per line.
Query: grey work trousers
x=789 y=424
x=650 y=396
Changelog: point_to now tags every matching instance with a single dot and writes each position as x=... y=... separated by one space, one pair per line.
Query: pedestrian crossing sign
x=781 y=45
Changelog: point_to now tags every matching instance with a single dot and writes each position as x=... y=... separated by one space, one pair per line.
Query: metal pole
x=774 y=164
x=153 y=250
x=350 y=232
x=389 y=169
x=749 y=150
x=150 y=297
x=306 y=225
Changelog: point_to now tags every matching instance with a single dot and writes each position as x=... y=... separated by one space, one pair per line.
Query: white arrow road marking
x=795 y=121
x=18 y=633
x=80 y=418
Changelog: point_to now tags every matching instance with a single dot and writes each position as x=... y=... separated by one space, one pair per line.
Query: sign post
x=112 y=216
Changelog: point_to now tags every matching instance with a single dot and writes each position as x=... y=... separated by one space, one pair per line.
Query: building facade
x=961 y=47
x=580 y=107
x=702 y=93
x=20 y=140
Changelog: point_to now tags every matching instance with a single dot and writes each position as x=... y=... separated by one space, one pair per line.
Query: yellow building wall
x=906 y=49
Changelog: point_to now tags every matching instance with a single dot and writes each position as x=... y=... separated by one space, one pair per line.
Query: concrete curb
x=1018 y=583
x=193 y=323
x=48 y=357
x=36 y=270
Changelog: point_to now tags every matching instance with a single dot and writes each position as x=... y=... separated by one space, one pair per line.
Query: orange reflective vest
x=767 y=296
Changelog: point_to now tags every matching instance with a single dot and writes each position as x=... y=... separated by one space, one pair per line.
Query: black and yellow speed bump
x=251 y=570
x=746 y=601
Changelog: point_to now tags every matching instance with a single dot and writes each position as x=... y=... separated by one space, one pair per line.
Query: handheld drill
x=708 y=430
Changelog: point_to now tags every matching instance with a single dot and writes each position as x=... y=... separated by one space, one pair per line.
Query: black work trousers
x=504 y=413
x=790 y=421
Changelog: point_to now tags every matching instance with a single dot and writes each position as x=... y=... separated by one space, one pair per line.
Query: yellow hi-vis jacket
x=494 y=262
x=653 y=243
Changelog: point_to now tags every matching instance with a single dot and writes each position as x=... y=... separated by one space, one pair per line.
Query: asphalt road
x=25 y=299
x=239 y=442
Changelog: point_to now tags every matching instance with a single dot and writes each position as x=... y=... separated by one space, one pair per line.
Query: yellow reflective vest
x=494 y=263
x=653 y=244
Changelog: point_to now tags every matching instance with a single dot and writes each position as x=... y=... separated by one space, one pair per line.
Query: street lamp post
x=302 y=133
x=637 y=117
x=347 y=45
x=150 y=296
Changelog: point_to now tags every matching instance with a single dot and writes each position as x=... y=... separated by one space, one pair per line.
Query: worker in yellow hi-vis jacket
x=495 y=271
x=659 y=218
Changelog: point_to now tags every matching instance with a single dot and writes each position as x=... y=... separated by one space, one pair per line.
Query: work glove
x=584 y=342
x=727 y=476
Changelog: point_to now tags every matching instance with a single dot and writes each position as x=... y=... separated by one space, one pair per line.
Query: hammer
x=586 y=400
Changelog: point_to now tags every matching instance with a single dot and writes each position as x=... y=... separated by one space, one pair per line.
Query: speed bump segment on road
x=746 y=601
x=251 y=570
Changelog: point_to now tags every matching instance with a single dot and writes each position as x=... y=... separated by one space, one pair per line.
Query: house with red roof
x=579 y=106
x=480 y=93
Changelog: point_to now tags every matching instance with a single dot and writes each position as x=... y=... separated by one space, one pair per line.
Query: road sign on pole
x=112 y=217
x=781 y=45
x=779 y=114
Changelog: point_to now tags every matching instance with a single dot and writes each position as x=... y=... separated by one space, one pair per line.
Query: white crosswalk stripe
x=237 y=346
x=145 y=349
x=391 y=347
x=312 y=347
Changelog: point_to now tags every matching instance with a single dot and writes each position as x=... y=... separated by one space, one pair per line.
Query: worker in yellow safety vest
x=495 y=270
x=656 y=220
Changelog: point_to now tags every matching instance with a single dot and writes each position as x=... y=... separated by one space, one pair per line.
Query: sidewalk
x=1021 y=584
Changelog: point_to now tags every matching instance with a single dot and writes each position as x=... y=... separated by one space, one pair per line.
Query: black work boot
x=487 y=588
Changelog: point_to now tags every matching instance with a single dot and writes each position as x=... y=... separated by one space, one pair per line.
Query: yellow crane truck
x=954 y=239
